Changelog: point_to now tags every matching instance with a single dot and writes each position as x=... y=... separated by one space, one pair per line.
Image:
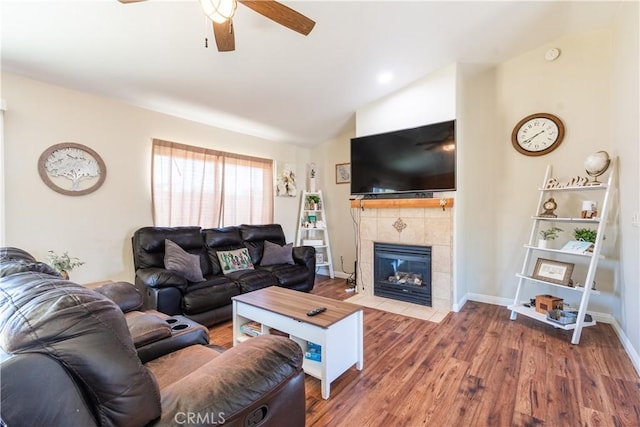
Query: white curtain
x=198 y=186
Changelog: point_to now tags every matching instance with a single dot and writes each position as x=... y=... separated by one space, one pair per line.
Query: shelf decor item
x=578 y=247
x=596 y=164
x=589 y=209
x=312 y=177
x=548 y=234
x=585 y=235
x=72 y=169
x=557 y=272
x=549 y=207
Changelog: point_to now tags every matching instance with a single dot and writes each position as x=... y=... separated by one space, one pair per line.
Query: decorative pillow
x=237 y=260
x=275 y=254
x=178 y=260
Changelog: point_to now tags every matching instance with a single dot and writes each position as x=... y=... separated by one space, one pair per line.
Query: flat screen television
x=420 y=160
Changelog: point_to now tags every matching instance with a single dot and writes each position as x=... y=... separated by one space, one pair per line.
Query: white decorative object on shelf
x=597 y=164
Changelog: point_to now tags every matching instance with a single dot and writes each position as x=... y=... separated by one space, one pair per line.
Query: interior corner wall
x=626 y=110
x=97 y=227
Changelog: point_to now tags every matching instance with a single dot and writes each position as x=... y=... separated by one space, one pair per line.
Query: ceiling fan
x=221 y=13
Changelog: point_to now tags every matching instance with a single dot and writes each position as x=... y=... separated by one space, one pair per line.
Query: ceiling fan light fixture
x=219 y=11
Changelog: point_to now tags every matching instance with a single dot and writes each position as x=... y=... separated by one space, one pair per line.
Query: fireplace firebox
x=402 y=272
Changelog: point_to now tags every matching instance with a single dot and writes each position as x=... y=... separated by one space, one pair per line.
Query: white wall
x=429 y=100
x=97 y=227
x=625 y=111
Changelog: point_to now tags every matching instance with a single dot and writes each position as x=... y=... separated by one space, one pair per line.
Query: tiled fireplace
x=408 y=222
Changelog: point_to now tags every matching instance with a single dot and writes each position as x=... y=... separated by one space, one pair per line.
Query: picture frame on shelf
x=343 y=173
x=557 y=272
x=319 y=258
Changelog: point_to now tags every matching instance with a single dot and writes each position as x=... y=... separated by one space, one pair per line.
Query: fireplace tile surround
x=427 y=225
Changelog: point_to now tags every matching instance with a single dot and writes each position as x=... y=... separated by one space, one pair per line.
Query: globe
x=596 y=164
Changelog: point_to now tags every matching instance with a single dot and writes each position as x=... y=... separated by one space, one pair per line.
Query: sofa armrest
x=263 y=372
x=304 y=254
x=160 y=278
x=125 y=294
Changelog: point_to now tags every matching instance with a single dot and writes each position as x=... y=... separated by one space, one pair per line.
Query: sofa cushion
x=217 y=294
x=178 y=260
x=288 y=275
x=251 y=280
x=275 y=254
x=220 y=239
x=236 y=260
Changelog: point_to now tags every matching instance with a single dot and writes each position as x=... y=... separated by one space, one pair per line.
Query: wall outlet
x=635 y=220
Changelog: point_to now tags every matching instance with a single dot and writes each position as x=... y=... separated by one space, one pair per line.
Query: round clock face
x=537 y=134
x=72 y=169
x=550 y=205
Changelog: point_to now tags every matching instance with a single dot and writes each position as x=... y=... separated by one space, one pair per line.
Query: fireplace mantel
x=401 y=203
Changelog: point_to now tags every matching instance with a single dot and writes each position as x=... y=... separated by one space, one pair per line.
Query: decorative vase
x=543 y=243
x=312 y=184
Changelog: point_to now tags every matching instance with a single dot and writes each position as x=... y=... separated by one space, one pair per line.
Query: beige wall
x=97 y=228
x=339 y=221
x=625 y=110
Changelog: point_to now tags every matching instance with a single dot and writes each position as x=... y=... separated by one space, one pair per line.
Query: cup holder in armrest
x=171 y=320
x=179 y=327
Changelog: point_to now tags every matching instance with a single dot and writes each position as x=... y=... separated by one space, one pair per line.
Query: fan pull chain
x=206 y=39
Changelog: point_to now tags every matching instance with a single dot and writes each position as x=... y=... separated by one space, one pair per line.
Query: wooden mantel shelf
x=401 y=203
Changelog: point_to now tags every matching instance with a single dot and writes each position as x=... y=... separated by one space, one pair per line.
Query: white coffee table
x=338 y=330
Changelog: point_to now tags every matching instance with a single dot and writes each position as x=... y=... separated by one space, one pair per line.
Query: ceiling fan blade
x=225 y=39
x=281 y=14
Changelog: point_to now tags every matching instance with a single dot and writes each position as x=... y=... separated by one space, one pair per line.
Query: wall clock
x=537 y=134
x=72 y=169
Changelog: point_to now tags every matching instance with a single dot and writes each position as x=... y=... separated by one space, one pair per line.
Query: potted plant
x=585 y=234
x=548 y=234
x=63 y=264
x=313 y=200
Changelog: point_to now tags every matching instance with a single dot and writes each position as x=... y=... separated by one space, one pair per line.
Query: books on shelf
x=578 y=247
x=314 y=352
x=253 y=329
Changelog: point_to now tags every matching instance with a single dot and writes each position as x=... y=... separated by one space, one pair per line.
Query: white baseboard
x=599 y=317
x=324 y=271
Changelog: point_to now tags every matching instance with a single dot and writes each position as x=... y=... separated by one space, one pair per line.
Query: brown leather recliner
x=68 y=359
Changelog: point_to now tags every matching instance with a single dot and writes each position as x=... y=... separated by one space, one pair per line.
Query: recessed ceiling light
x=385 y=78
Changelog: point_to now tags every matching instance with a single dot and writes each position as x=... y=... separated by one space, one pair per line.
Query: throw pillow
x=275 y=254
x=178 y=260
x=237 y=260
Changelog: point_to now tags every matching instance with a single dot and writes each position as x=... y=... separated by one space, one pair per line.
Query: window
x=209 y=188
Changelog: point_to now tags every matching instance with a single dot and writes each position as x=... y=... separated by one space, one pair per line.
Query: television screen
x=415 y=160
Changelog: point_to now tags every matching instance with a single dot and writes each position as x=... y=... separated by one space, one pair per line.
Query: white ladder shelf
x=525 y=279
x=312 y=229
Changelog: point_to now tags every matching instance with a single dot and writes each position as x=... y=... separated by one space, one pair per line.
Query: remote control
x=316 y=311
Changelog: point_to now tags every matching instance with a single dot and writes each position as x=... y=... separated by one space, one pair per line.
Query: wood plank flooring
x=475 y=368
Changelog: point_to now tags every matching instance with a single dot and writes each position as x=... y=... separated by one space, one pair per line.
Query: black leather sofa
x=209 y=301
x=67 y=359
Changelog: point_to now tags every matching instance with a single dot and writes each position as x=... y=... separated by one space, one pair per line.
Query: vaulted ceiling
x=277 y=84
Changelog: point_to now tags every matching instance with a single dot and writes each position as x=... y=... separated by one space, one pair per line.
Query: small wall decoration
x=286 y=186
x=553 y=271
x=72 y=169
x=319 y=258
x=343 y=173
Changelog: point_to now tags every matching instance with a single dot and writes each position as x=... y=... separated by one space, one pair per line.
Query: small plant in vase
x=548 y=234
x=313 y=201
x=63 y=264
x=585 y=235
